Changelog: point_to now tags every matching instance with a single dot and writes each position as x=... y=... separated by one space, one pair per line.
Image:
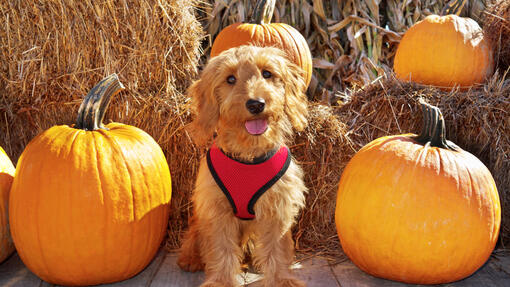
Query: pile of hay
x=322 y=150
x=497 y=30
x=477 y=120
x=53 y=52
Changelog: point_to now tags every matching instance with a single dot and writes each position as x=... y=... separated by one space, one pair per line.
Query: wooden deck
x=163 y=271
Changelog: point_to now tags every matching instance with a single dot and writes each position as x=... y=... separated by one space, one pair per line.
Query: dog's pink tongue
x=256 y=127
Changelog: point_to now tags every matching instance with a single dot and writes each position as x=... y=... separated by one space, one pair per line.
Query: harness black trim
x=261 y=190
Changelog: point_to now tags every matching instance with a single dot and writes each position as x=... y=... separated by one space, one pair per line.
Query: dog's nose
x=255 y=106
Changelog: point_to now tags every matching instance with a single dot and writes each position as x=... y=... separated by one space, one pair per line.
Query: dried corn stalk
x=352 y=42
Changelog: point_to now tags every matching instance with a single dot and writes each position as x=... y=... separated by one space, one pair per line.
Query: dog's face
x=250 y=96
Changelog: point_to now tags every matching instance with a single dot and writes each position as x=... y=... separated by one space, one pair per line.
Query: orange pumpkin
x=90 y=203
x=444 y=51
x=6 y=177
x=417 y=209
x=261 y=32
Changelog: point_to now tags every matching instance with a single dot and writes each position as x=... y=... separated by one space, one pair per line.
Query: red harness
x=244 y=183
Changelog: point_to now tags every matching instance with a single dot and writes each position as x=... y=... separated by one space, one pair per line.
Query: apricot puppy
x=248 y=189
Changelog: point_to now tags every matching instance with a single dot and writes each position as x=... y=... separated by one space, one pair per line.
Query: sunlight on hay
x=497 y=30
x=53 y=52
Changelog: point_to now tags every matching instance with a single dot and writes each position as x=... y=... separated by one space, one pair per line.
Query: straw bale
x=323 y=150
x=478 y=120
x=497 y=30
x=53 y=52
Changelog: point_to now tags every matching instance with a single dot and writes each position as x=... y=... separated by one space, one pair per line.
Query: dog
x=249 y=100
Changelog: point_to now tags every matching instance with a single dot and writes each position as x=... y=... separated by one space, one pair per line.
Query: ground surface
x=163 y=271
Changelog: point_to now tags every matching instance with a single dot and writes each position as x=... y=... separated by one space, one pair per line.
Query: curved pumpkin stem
x=434 y=131
x=453 y=7
x=93 y=107
x=263 y=12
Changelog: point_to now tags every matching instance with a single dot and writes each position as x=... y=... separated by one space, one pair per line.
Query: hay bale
x=497 y=29
x=52 y=52
x=323 y=150
x=477 y=120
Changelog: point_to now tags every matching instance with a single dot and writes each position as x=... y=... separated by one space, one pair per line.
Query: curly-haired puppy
x=248 y=188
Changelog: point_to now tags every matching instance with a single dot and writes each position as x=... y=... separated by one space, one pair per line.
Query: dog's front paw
x=290 y=282
x=190 y=263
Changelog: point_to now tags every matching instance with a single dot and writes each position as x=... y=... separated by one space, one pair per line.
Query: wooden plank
x=163 y=271
x=500 y=261
x=170 y=275
x=487 y=276
x=316 y=272
x=351 y=276
x=13 y=274
x=145 y=277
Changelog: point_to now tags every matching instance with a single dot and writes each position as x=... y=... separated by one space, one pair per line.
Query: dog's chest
x=244 y=183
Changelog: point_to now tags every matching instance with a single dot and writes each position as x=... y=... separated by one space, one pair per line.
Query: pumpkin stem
x=263 y=12
x=453 y=7
x=434 y=131
x=93 y=107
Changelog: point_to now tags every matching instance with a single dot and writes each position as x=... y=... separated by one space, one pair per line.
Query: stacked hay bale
x=53 y=52
x=477 y=120
x=323 y=150
x=497 y=30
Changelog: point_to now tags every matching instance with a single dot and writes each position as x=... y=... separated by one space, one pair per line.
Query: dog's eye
x=266 y=74
x=231 y=79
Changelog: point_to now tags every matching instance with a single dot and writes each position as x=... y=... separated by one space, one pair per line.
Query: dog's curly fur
x=216 y=239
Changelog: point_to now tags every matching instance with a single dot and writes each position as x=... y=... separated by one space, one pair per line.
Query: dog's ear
x=296 y=102
x=206 y=109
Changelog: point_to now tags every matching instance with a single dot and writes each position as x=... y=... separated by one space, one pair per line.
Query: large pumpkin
x=417 y=209
x=6 y=177
x=90 y=203
x=444 y=51
x=262 y=33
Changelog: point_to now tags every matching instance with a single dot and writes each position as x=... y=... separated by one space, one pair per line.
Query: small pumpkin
x=6 y=177
x=261 y=32
x=417 y=209
x=444 y=51
x=90 y=202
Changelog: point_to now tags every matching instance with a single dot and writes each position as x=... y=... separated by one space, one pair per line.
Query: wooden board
x=14 y=273
x=488 y=276
x=169 y=275
x=316 y=272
